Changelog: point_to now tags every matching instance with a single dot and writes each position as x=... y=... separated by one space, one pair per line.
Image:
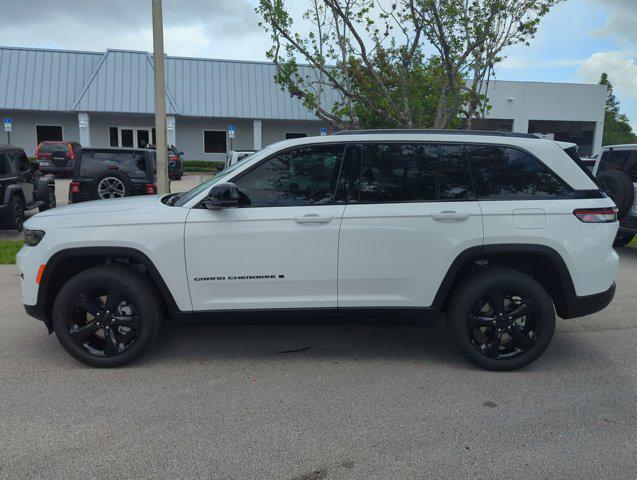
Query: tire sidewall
x=141 y=295
x=474 y=291
x=17 y=223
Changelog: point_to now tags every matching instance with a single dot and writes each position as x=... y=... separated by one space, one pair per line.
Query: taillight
x=75 y=187
x=172 y=158
x=72 y=152
x=596 y=215
x=151 y=189
x=37 y=151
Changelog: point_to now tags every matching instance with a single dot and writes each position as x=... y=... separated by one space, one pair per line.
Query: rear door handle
x=312 y=218
x=450 y=215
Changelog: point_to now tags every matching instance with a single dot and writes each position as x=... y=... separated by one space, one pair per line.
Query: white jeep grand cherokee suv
x=497 y=231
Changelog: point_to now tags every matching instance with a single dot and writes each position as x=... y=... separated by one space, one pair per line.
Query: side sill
x=300 y=315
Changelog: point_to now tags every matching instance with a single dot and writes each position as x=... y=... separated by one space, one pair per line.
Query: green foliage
x=617 y=128
x=8 y=251
x=373 y=54
x=202 y=166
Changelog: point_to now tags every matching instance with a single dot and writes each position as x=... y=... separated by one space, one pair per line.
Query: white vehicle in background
x=616 y=171
x=234 y=156
x=497 y=231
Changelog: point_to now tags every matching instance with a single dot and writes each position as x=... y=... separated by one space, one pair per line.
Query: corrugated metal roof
x=33 y=79
x=237 y=89
x=122 y=81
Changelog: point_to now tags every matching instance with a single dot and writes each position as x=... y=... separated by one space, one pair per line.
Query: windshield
x=187 y=196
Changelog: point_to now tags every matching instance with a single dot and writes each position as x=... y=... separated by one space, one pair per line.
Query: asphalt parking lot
x=319 y=402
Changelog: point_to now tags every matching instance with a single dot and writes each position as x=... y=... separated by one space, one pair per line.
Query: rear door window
x=97 y=162
x=622 y=160
x=398 y=172
x=504 y=173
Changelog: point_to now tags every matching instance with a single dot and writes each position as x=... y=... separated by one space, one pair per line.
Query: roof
x=122 y=81
x=487 y=133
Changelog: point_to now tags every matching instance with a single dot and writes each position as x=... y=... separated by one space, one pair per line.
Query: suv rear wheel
x=501 y=319
x=107 y=316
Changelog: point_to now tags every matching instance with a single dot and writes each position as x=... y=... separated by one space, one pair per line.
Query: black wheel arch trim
x=568 y=308
x=42 y=311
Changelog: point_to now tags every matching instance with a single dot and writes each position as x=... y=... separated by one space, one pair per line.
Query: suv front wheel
x=107 y=316
x=501 y=319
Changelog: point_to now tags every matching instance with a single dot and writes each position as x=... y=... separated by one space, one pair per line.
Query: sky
x=576 y=42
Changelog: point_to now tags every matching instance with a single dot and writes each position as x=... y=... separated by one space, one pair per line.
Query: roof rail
x=490 y=133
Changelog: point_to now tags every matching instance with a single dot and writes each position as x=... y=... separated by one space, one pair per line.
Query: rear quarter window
x=505 y=173
x=93 y=163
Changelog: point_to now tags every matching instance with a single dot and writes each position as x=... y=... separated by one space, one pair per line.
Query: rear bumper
x=576 y=306
x=54 y=169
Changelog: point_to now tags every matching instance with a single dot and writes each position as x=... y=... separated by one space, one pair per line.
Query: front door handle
x=312 y=218
x=450 y=215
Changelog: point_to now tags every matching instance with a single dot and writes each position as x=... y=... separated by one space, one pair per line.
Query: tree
x=617 y=129
x=372 y=53
x=470 y=36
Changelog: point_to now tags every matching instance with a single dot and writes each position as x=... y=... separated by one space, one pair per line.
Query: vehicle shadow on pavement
x=200 y=343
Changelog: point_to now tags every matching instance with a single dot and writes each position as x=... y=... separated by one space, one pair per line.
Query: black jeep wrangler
x=102 y=173
x=22 y=187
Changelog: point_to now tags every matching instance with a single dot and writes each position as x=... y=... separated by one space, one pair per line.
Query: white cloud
x=620 y=21
x=621 y=70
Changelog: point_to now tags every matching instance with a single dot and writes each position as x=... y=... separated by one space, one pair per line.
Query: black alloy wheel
x=107 y=316
x=103 y=321
x=501 y=319
x=503 y=324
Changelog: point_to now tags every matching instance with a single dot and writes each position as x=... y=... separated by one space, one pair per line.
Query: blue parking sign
x=7 y=124
x=323 y=131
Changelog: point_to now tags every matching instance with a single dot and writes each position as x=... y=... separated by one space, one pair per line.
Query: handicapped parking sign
x=7 y=124
x=231 y=130
x=323 y=131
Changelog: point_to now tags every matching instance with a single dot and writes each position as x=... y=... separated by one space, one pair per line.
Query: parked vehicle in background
x=22 y=188
x=590 y=162
x=497 y=231
x=103 y=173
x=175 y=161
x=56 y=157
x=616 y=172
x=234 y=156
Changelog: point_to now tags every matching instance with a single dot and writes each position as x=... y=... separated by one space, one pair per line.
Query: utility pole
x=160 y=98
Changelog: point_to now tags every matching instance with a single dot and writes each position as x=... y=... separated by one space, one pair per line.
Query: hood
x=113 y=205
x=132 y=211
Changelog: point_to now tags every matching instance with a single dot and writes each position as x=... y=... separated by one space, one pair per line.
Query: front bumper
x=576 y=306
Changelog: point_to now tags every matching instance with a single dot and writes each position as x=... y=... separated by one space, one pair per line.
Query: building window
x=214 y=141
x=291 y=135
x=48 y=132
x=112 y=135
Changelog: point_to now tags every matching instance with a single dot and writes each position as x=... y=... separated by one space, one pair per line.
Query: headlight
x=33 y=237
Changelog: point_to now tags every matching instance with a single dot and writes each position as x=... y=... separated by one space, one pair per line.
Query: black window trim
x=350 y=147
x=346 y=150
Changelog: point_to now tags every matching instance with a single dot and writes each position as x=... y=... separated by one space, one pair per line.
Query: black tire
x=125 y=181
x=16 y=213
x=51 y=201
x=619 y=188
x=126 y=318
x=623 y=238
x=520 y=338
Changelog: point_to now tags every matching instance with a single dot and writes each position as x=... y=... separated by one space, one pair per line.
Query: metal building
x=106 y=99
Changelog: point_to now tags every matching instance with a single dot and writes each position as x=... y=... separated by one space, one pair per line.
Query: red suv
x=56 y=157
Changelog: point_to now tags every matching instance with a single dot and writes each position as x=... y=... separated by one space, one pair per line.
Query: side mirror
x=223 y=195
